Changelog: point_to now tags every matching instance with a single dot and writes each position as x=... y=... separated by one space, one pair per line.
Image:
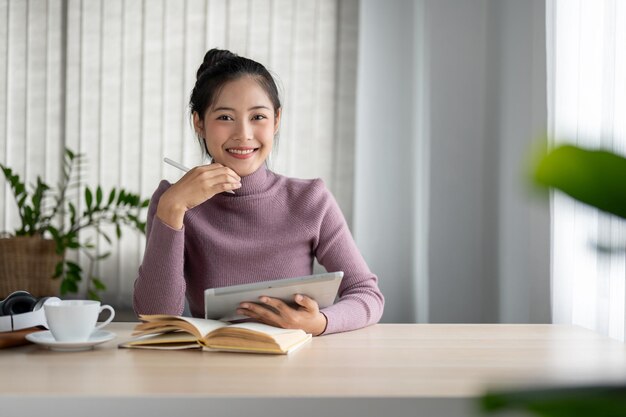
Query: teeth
x=241 y=152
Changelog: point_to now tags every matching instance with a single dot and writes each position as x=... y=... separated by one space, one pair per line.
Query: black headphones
x=21 y=310
x=17 y=303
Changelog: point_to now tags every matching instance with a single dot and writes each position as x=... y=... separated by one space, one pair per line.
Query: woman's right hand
x=194 y=188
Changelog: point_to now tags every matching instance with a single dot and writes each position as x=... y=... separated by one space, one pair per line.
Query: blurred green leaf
x=104 y=235
x=97 y=282
x=121 y=196
x=111 y=197
x=58 y=269
x=593 y=401
x=73 y=266
x=594 y=177
x=103 y=256
x=88 y=198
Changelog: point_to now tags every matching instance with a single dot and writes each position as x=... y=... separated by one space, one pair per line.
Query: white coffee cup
x=75 y=320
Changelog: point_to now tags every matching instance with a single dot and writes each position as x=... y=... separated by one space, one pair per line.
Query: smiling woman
x=198 y=236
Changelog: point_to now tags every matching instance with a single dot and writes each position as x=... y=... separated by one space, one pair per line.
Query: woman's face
x=239 y=128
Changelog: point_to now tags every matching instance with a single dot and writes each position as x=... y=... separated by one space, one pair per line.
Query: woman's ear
x=198 y=124
x=279 y=112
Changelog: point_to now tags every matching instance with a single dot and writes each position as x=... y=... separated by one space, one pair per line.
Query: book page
x=158 y=323
x=204 y=326
x=262 y=328
x=235 y=345
x=167 y=341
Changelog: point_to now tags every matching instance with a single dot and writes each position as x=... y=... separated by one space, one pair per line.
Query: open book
x=161 y=331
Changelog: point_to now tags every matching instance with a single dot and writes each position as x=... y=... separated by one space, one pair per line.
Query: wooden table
x=388 y=369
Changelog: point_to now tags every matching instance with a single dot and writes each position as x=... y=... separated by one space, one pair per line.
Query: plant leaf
x=121 y=196
x=111 y=197
x=98 y=284
x=58 y=269
x=594 y=177
x=21 y=201
x=98 y=196
x=103 y=256
x=597 y=401
x=72 y=213
x=73 y=266
x=65 y=287
x=88 y=198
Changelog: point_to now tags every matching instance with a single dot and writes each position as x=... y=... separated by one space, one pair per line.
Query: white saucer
x=45 y=338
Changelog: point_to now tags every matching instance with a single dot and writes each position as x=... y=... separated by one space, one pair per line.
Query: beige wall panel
x=17 y=110
x=131 y=245
x=36 y=81
x=110 y=132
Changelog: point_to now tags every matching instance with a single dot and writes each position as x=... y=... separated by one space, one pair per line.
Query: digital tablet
x=222 y=303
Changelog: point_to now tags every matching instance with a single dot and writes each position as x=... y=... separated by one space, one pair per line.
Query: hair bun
x=212 y=58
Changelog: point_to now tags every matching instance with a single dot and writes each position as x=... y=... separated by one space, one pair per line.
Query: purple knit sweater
x=273 y=227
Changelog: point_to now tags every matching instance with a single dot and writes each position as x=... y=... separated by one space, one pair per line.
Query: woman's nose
x=243 y=130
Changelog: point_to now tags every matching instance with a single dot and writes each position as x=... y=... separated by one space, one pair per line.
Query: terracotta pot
x=28 y=263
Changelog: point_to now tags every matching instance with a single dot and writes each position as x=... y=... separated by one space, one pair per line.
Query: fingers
x=195 y=187
x=272 y=311
x=260 y=313
x=219 y=167
x=277 y=312
x=214 y=178
x=307 y=303
x=280 y=306
x=216 y=170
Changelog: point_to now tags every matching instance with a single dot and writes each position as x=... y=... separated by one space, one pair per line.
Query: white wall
x=478 y=252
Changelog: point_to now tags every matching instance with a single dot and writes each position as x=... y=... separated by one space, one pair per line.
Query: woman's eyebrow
x=231 y=109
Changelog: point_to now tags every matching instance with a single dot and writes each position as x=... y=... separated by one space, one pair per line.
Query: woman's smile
x=241 y=152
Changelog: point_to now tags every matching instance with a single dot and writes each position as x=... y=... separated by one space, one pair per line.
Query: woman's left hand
x=306 y=316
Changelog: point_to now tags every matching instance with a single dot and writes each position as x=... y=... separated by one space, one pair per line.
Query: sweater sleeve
x=160 y=285
x=360 y=301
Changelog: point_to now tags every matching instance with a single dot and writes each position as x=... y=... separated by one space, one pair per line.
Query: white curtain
x=587 y=105
x=112 y=78
x=450 y=97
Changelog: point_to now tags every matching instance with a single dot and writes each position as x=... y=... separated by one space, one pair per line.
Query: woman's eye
x=259 y=117
x=224 y=117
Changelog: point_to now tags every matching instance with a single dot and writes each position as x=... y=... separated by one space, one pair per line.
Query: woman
x=200 y=235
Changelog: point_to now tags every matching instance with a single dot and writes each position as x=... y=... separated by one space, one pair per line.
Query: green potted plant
x=33 y=256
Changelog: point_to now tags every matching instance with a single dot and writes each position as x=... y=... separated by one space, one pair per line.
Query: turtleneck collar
x=257 y=182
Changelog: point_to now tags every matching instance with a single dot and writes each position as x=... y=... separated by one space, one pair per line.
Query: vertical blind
x=111 y=79
x=587 y=106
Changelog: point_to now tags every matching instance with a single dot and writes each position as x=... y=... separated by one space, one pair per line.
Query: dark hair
x=220 y=67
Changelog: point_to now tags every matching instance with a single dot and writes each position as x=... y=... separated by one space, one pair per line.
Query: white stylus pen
x=184 y=168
